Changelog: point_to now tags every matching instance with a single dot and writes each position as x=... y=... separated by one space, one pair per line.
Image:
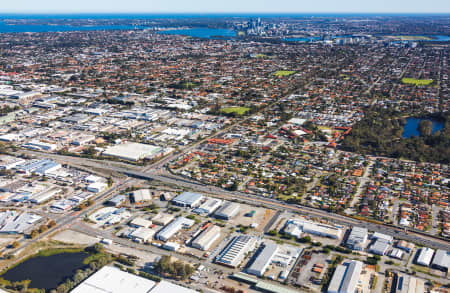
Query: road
x=161 y=175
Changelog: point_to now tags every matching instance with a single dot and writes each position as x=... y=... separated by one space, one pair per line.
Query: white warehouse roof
x=112 y=280
x=166 y=287
x=345 y=277
x=425 y=256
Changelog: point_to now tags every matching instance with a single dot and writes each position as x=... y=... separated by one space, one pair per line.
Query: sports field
x=417 y=82
x=236 y=110
x=281 y=73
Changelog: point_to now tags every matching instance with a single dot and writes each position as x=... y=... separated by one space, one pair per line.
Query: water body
x=205 y=33
x=5 y=28
x=47 y=272
x=302 y=40
x=410 y=128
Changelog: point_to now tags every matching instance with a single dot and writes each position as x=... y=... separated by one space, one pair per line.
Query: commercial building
x=406 y=246
x=45 y=195
x=441 y=260
x=171 y=246
x=188 y=199
x=263 y=259
x=295 y=227
x=379 y=247
x=425 y=256
x=116 y=200
x=162 y=219
x=40 y=145
x=357 y=238
x=96 y=187
x=141 y=195
x=228 y=211
x=407 y=284
x=139 y=222
x=11 y=222
x=113 y=280
x=345 y=277
x=207 y=238
x=396 y=253
x=168 y=231
x=41 y=167
x=380 y=236
x=132 y=151
x=234 y=253
x=142 y=235
x=208 y=207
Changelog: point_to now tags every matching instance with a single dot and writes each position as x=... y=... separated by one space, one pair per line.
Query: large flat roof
x=132 y=151
x=112 y=280
x=166 y=287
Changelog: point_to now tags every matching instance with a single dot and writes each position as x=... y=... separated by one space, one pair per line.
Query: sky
x=225 y=6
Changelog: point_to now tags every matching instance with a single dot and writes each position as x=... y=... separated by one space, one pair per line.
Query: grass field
x=417 y=82
x=414 y=38
x=281 y=73
x=236 y=110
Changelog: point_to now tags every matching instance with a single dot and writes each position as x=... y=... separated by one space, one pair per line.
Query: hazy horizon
x=230 y=7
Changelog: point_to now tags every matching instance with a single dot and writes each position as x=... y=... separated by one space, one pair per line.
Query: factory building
x=406 y=246
x=142 y=235
x=357 y=238
x=162 y=219
x=208 y=207
x=296 y=227
x=441 y=260
x=263 y=259
x=346 y=277
x=234 y=253
x=96 y=187
x=379 y=247
x=40 y=167
x=188 y=199
x=228 y=211
x=40 y=145
x=407 y=284
x=139 y=222
x=380 y=236
x=207 y=238
x=141 y=195
x=133 y=151
x=425 y=256
x=168 y=231
x=11 y=222
x=45 y=196
x=116 y=200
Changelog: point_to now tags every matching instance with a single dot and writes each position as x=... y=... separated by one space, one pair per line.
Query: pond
x=47 y=272
x=410 y=128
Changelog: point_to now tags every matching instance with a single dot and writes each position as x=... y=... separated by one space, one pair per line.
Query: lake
x=205 y=33
x=410 y=128
x=47 y=272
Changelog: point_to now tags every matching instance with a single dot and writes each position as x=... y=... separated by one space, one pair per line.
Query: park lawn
x=417 y=82
x=236 y=110
x=281 y=73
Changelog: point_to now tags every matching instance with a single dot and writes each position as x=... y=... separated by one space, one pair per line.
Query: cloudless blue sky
x=224 y=6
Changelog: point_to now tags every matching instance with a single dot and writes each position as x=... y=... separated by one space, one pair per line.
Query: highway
x=158 y=173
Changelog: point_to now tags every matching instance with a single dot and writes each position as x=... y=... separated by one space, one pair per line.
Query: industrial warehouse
x=207 y=238
x=234 y=253
x=132 y=151
x=171 y=229
x=345 y=277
